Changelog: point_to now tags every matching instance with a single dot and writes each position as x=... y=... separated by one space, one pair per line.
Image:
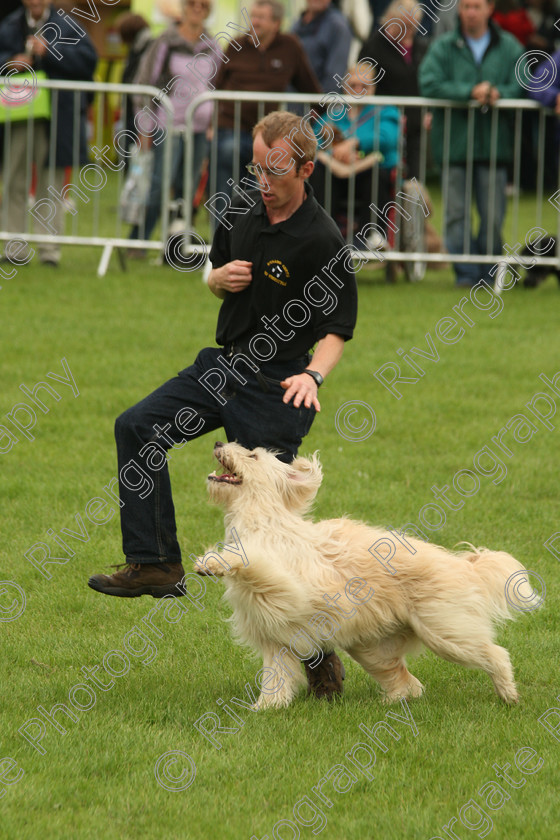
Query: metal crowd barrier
x=413 y=252
x=94 y=211
x=97 y=222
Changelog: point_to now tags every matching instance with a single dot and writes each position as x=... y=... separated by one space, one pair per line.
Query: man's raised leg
x=178 y=411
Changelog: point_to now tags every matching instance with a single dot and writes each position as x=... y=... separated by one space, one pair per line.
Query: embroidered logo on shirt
x=277 y=271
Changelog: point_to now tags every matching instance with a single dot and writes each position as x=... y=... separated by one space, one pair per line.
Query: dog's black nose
x=218 y=444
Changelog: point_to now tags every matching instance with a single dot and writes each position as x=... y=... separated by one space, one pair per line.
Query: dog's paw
x=413 y=688
x=209 y=566
x=392 y=697
x=271 y=701
x=509 y=695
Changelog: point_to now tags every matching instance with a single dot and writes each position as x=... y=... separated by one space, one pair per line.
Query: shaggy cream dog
x=299 y=586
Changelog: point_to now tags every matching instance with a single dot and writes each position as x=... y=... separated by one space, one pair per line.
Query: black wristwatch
x=316 y=376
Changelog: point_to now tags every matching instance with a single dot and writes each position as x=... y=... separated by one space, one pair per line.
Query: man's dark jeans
x=253 y=414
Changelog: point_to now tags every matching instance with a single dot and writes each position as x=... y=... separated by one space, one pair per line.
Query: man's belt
x=232 y=348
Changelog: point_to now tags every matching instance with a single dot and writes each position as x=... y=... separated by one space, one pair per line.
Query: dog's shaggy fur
x=447 y=601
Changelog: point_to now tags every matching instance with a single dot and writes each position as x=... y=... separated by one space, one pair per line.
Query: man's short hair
x=283 y=125
x=276 y=8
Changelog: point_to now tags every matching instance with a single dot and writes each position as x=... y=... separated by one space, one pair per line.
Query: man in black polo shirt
x=283 y=272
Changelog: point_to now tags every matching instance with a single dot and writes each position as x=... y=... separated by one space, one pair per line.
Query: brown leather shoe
x=325 y=679
x=155 y=579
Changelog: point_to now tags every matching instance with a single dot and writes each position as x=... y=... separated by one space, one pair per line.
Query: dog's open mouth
x=228 y=476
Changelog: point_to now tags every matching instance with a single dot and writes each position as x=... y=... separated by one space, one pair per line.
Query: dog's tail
x=506 y=583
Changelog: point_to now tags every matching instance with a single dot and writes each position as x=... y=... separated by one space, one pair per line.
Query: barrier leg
x=104 y=261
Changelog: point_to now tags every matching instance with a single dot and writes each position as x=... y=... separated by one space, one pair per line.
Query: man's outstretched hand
x=302 y=388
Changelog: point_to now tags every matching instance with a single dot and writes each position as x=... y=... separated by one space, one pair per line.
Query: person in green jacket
x=477 y=61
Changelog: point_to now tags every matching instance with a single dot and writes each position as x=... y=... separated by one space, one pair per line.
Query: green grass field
x=122 y=336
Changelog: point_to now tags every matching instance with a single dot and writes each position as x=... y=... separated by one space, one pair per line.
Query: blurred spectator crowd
x=472 y=49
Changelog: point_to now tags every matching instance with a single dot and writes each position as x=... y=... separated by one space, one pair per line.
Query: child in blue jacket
x=359 y=130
